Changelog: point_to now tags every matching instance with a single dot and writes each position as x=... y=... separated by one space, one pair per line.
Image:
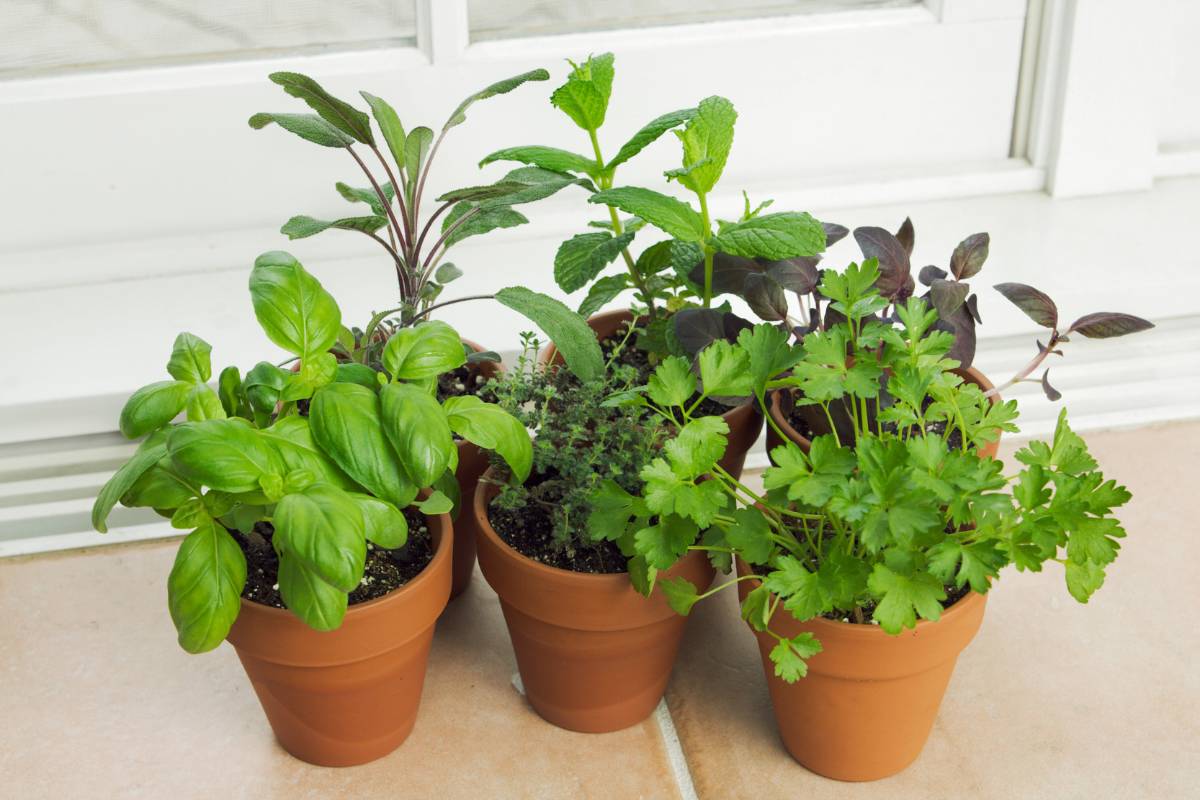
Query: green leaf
x=302 y=227
x=756 y=608
x=706 y=140
x=383 y=523
x=698 y=446
x=581 y=258
x=389 y=123
x=264 y=386
x=584 y=97
x=159 y=487
x=153 y=406
x=366 y=195
x=611 y=508
x=499 y=87
x=770 y=353
x=1094 y=540
x=674 y=216
x=570 y=333
x=482 y=219
x=649 y=133
x=666 y=542
x=315 y=371
x=223 y=454
x=324 y=528
x=436 y=503
x=642 y=575
x=1084 y=579
x=536 y=184
x=309 y=127
x=346 y=424
x=680 y=593
x=844 y=576
x=903 y=597
x=416 y=149
x=673 y=383
x=422 y=351
x=126 y=478
x=787 y=234
x=447 y=272
x=321 y=606
x=603 y=292
x=725 y=370
x=667 y=493
x=417 y=428
x=492 y=428
x=336 y=112
x=203 y=403
x=292 y=307
x=292 y=438
x=551 y=158
x=191 y=359
x=232 y=393
x=789 y=656
x=205 y=586
x=802 y=591
x=749 y=536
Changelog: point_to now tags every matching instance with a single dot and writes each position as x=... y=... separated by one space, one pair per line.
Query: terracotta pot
x=778 y=402
x=745 y=422
x=348 y=696
x=594 y=654
x=471 y=463
x=868 y=703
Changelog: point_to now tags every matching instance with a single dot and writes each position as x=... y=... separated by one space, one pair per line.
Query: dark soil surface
x=631 y=356
x=528 y=530
x=953 y=595
x=463 y=381
x=386 y=570
x=800 y=424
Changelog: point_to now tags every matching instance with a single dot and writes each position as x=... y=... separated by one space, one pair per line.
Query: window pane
x=41 y=36
x=503 y=19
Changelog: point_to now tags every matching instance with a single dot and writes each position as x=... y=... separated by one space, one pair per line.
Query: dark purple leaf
x=931 y=273
x=834 y=233
x=697 y=328
x=1036 y=305
x=948 y=296
x=729 y=273
x=733 y=325
x=894 y=266
x=765 y=297
x=1051 y=393
x=973 y=307
x=962 y=325
x=906 y=235
x=1106 y=324
x=798 y=275
x=969 y=256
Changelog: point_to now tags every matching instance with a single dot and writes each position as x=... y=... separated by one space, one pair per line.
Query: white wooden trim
x=442 y=31
x=1175 y=161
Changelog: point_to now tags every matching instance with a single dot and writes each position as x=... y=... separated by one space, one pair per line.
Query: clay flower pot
x=868 y=703
x=347 y=696
x=745 y=422
x=471 y=463
x=594 y=654
x=779 y=406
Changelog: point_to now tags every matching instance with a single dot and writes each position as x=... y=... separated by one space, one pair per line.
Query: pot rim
x=775 y=404
x=442 y=552
x=961 y=607
x=480 y=503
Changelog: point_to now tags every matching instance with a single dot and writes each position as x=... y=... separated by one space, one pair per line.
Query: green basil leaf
x=153 y=406
x=191 y=359
x=205 y=586
x=491 y=427
x=228 y=455
x=423 y=351
x=159 y=487
x=417 y=428
x=346 y=424
x=264 y=386
x=232 y=393
x=292 y=438
x=324 y=528
x=293 y=308
x=384 y=524
x=203 y=403
x=319 y=605
x=436 y=503
x=315 y=372
x=358 y=373
x=144 y=459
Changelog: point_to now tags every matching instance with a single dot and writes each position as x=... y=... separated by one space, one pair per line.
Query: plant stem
x=406 y=237
x=708 y=253
x=425 y=312
x=387 y=207
x=1027 y=370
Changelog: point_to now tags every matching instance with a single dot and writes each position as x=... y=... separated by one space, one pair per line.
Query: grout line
x=678 y=761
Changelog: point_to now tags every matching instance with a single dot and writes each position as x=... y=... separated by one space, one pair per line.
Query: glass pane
x=41 y=36
x=503 y=19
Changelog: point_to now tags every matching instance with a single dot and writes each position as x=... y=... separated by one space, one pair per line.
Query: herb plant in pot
x=416 y=234
x=594 y=653
x=309 y=548
x=672 y=277
x=864 y=567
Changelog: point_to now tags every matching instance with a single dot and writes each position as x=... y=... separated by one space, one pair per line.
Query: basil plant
x=328 y=453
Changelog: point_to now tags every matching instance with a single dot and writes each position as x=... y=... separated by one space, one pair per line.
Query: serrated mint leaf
x=707 y=139
x=787 y=234
x=581 y=258
x=649 y=132
x=584 y=97
x=603 y=292
x=673 y=216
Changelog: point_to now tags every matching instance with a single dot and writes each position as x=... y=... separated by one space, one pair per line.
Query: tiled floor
x=1052 y=700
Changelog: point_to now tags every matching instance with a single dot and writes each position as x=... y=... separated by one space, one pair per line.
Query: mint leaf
x=662 y=211
x=649 y=132
x=787 y=234
x=707 y=139
x=603 y=292
x=584 y=97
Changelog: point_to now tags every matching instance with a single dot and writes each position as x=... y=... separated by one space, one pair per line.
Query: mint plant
x=889 y=524
x=329 y=454
x=395 y=197
x=661 y=276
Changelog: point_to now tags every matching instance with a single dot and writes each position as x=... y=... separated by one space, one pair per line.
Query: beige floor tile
x=1052 y=700
x=97 y=701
